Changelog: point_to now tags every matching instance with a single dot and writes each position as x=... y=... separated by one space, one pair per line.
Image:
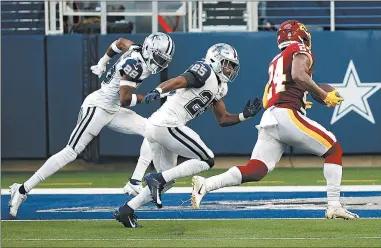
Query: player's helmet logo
x=158 y=49
x=223 y=59
x=293 y=31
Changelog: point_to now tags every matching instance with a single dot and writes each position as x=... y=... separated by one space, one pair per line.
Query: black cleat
x=155 y=187
x=126 y=216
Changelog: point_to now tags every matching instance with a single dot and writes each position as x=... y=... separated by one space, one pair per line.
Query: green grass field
x=194 y=233
x=280 y=176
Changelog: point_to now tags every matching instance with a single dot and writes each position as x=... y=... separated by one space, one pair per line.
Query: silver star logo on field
x=355 y=95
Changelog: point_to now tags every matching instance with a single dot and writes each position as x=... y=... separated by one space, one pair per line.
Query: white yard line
x=92 y=191
x=202 y=239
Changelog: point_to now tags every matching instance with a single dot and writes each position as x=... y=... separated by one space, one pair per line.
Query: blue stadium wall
x=42 y=90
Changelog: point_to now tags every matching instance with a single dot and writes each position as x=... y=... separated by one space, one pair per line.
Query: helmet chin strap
x=300 y=38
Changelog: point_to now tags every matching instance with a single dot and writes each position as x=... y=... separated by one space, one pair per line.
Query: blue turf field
x=229 y=205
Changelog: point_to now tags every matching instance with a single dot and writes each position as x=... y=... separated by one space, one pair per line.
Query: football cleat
x=155 y=187
x=198 y=191
x=16 y=199
x=126 y=216
x=338 y=212
x=131 y=189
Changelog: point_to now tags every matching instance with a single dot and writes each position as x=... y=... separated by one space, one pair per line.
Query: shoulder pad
x=132 y=69
x=294 y=49
x=200 y=70
x=298 y=47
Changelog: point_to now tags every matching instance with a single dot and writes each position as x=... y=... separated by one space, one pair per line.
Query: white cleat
x=16 y=199
x=130 y=189
x=338 y=212
x=198 y=191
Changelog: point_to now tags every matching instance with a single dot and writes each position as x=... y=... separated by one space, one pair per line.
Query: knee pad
x=210 y=162
x=334 y=155
x=65 y=156
x=253 y=171
x=69 y=155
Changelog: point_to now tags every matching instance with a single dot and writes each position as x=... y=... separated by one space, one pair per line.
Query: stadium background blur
x=56 y=78
x=47 y=48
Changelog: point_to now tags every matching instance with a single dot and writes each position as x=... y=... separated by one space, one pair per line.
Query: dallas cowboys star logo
x=219 y=48
x=356 y=95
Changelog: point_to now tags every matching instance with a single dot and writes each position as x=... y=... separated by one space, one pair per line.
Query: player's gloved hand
x=333 y=98
x=308 y=105
x=153 y=95
x=252 y=108
x=98 y=69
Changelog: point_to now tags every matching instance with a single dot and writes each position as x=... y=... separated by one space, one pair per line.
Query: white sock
x=51 y=166
x=187 y=168
x=142 y=198
x=145 y=159
x=229 y=178
x=333 y=174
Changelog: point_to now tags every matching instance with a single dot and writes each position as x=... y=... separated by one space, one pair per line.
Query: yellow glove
x=308 y=104
x=333 y=99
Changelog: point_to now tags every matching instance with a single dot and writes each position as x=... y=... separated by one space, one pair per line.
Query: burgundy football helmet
x=292 y=31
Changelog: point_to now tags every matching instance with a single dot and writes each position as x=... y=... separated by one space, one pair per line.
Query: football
x=325 y=87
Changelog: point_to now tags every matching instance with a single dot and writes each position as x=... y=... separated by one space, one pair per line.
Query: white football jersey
x=132 y=64
x=188 y=103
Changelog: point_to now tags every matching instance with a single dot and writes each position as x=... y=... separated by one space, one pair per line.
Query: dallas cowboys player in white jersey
x=108 y=106
x=204 y=84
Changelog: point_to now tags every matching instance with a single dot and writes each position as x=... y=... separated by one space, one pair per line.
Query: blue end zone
x=177 y=206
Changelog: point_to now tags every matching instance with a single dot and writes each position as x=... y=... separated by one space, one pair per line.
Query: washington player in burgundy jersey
x=284 y=123
x=282 y=90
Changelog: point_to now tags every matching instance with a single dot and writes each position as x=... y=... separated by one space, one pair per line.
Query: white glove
x=100 y=68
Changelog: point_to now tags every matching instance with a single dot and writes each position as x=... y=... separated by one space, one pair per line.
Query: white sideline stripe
x=200 y=239
x=221 y=219
x=169 y=219
x=236 y=189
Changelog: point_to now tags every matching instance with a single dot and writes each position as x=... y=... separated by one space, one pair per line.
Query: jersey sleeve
x=300 y=48
x=132 y=70
x=197 y=74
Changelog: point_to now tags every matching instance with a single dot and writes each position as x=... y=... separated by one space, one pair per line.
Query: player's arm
x=188 y=79
x=178 y=82
x=126 y=92
x=301 y=64
x=226 y=119
x=118 y=46
x=131 y=72
x=128 y=98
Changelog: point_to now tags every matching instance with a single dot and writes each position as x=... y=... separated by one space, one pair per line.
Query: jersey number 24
x=276 y=78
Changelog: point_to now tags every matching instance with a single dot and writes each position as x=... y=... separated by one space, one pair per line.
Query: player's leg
x=301 y=132
x=187 y=143
x=134 y=186
x=266 y=154
x=129 y=122
x=184 y=142
x=90 y=122
x=163 y=159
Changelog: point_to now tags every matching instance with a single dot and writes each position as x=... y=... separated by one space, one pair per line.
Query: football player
x=109 y=106
x=284 y=123
x=204 y=84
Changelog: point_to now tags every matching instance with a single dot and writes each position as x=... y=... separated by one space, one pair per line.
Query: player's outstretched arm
x=166 y=87
x=299 y=72
x=225 y=119
x=118 y=46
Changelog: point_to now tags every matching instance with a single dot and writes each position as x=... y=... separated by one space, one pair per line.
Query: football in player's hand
x=326 y=88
